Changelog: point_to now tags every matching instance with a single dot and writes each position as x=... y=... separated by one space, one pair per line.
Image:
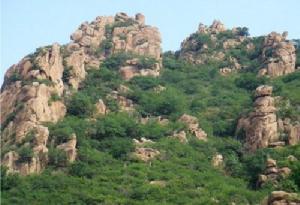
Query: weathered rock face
x=290 y=130
x=262 y=128
x=109 y=35
x=261 y=125
x=193 y=126
x=282 y=198
x=70 y=148
x=37 y=85
x=278 y=55
x=272 y=173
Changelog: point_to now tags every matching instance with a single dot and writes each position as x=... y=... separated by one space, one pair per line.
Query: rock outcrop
x=207 y=44
x=146 y=154
x=37 y=85
x=69 y=148
x=278 y=55
x=290 y=130
x=272 y=173
x=282 y=198
x=109 y=35
x=262 y=128
x=181 y=136
x=193 y=126
x=261 y=125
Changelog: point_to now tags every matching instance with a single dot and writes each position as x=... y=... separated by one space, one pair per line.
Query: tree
x=80 y=105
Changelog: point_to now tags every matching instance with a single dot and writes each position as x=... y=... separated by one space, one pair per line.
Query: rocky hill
x=113 y=120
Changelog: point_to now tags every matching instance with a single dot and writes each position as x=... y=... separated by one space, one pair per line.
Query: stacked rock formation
x=261 y=125
x=278 y=55
x=34 y=89
x=262 y=128
x=272 y=173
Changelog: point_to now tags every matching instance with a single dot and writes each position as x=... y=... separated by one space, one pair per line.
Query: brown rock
x=263 y=90
x=217 y=161
x=140 y=18
x=146 y=154
x=261 y=125
x=278 y=55
x=181 y=136
x=70 y=148
x=193 y=126
x=101 y=108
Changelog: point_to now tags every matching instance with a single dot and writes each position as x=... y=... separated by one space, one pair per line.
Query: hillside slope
x=110 y=119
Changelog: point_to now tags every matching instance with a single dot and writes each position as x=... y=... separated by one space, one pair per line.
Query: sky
x=28 y=24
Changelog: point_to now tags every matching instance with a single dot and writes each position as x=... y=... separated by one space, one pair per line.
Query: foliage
x=104 y=171
x=115 y=125
x=243 y=31
x=25 y=154
x=81 y=105
x=249 y=81
x=57 y=157
x=167 y=102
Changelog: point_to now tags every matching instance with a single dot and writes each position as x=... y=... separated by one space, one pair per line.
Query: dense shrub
x=57 y=157
x=115 y=125
x=80 y=105
x=249 y=81
x=25 y=154
x=144 y=82
x=168 y=102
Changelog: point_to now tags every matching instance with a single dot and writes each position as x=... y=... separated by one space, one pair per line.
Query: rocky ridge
x=38 y=84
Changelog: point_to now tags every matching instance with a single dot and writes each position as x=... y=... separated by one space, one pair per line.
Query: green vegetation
x=57 y=158
x=25 y=154
x=105 y=172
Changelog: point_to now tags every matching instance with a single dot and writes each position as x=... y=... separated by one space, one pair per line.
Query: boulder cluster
x=282 y=198
x=278 y=55
x=272 y=173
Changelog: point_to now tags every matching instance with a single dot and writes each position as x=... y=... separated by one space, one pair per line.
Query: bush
x=119 y=125
x=202 y=39
x=249 y=81
x=25 y=154
x=146 y=62
x=116 y=60
x=80 y=105
x=243 y=31
x=57 y=157
x=167 y=102
x=60 y=132
x=116 y=146
x=66 y=73
x=144 y=82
